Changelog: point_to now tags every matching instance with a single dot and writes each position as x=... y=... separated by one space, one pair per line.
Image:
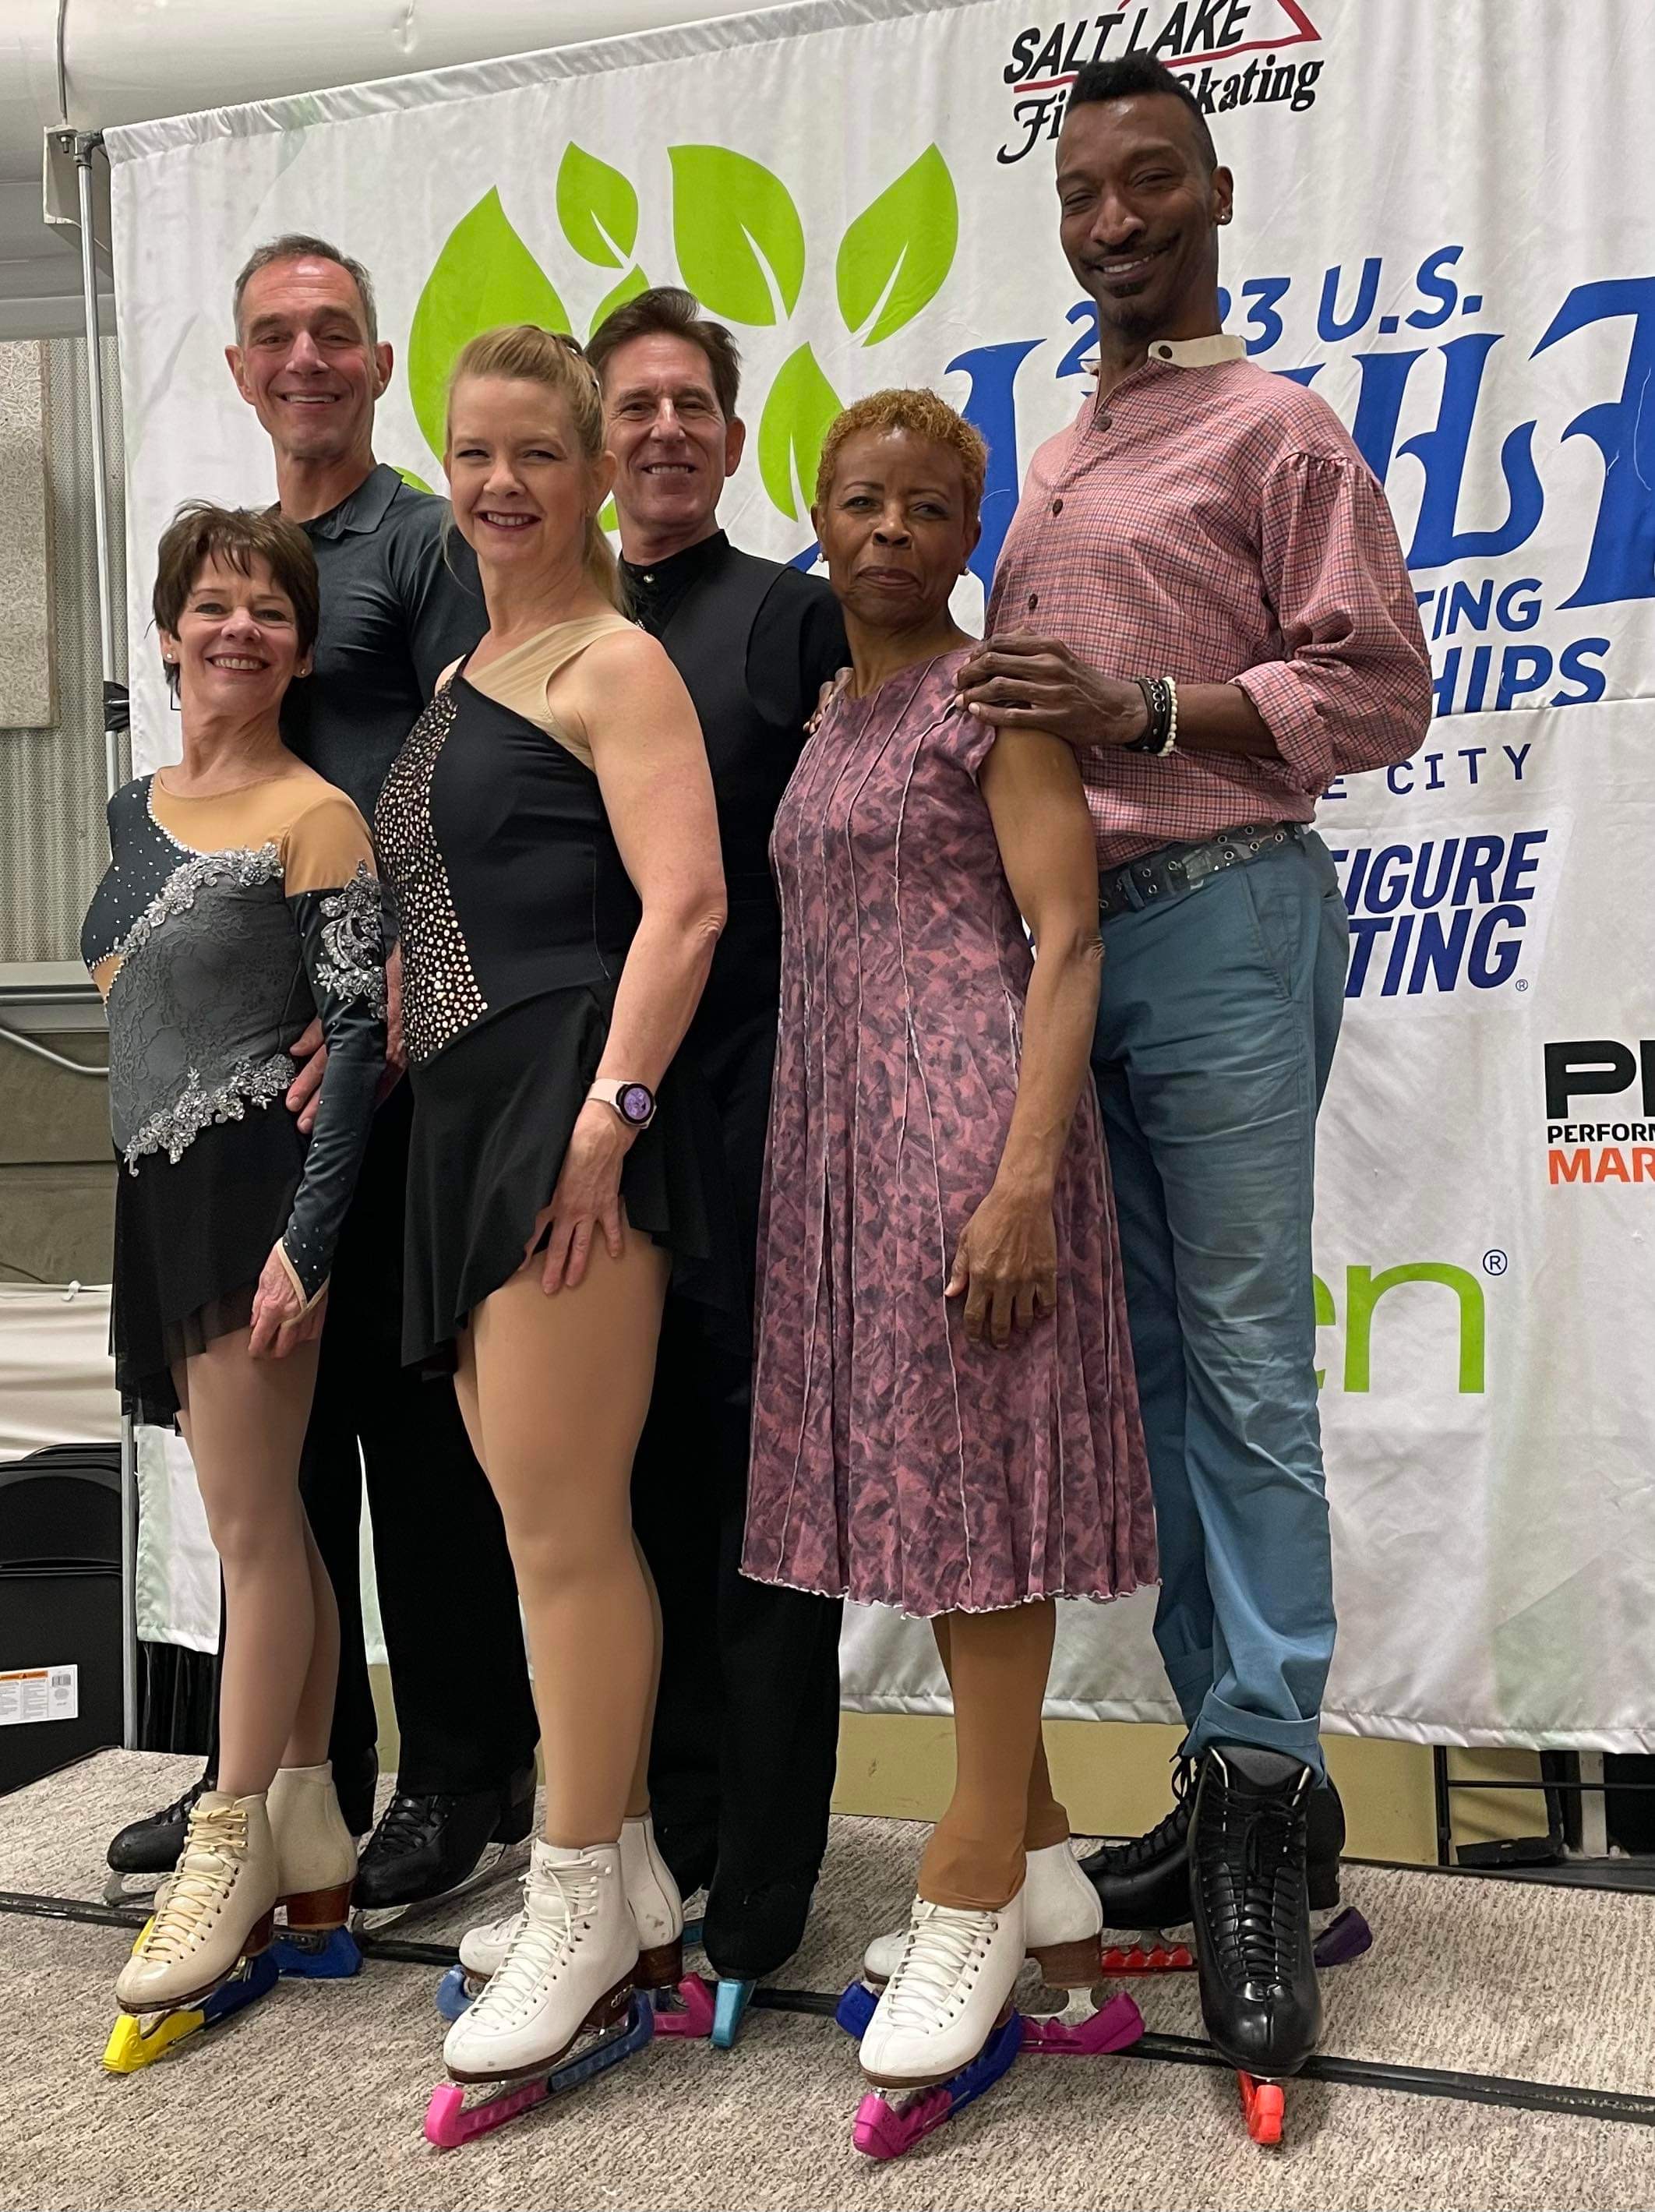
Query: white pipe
x=85 y=152
x=91 y=63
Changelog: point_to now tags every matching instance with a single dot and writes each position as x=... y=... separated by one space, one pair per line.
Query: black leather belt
x=1171 y=869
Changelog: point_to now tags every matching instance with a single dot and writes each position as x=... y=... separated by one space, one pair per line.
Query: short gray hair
x=298 y=246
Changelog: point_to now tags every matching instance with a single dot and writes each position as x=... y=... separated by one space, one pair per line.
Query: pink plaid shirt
x=1213 y=522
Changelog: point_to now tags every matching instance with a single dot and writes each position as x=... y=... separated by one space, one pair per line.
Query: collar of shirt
x=365 y=508
x=1182 y=353
x=657 y=587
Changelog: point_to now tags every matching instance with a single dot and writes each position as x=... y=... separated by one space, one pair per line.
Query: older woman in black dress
x=240 y=901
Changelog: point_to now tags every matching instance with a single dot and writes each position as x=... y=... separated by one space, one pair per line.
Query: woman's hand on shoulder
x=1006 y=1268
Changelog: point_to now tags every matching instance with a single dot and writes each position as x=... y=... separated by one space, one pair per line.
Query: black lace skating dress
x=221 y=926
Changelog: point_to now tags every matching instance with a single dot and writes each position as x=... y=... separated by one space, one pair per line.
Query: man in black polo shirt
x=746 y=1728
x=398 y=604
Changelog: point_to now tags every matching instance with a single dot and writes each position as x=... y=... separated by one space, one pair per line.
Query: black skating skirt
x=493 y=1115
x=191 y=1238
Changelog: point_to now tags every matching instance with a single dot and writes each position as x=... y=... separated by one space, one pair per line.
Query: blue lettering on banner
x=1440 y=914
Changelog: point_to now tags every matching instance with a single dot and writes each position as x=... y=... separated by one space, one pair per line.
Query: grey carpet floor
x=313 y=2099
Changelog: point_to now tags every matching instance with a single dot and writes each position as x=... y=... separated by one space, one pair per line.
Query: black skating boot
x=749 y=1932
x=1144 y=1884
x=427 y=1845
x=1249 y=1888
x=152 y=1845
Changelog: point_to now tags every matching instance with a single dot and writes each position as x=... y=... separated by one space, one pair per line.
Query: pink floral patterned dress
x=894 y=1460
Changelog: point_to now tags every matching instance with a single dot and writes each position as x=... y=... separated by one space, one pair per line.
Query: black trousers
x=448 y=1597
x=747 y=1724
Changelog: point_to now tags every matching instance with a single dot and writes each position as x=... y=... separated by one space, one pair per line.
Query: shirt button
x=1104 y=421
x=1034 y=601
x=1057 y=507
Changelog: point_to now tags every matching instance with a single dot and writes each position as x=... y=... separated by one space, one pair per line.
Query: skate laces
x=1259 y=1867
x=214 y=1851
x=556 y=1905
x=405 y=1822
x=945 y=1946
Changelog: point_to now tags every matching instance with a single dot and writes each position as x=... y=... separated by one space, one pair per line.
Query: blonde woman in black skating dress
x=550 y=831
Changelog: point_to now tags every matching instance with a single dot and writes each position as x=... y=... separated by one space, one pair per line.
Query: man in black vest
x=747 y=1729
x=397 y=606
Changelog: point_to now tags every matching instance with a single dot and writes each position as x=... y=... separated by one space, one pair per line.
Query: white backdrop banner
x=1438 y=227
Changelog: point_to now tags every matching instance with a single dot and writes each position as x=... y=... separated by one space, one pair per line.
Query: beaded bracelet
x=1160 y=697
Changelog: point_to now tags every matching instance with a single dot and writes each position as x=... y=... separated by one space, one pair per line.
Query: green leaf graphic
x=897 y=253
x=608 y=520
x=596 y=207
x=484 y=275
x=409 y=477
x=737 y=233
x=800 y=406
x=631 y=285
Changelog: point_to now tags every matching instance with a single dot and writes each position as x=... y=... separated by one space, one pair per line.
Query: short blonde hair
x=524 y=353
x=923 y=415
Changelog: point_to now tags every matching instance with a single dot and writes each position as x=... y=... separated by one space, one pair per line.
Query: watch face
x=636 y=1102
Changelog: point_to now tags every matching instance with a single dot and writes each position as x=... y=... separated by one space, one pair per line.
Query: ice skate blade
x=689 y=2011
x=455 y=1994
x=497 y=1860
x=1346 y=1936
x=1079 y=2032
x=888 y=2128
x=450 y=2122
x=730 y=2003
x=133 y=2044
x=131 y=1888
x=699 y=2010
x=1157 y=1957
x=312 y=1955
x=855 y=2008
x=1262 y=2104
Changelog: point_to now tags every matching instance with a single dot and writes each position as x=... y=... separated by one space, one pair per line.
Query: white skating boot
x=656 y=1906
x=949 y=1989
x=215 y=1908
x=1062 y=1925
x=570 y=1968
x=315 y=1851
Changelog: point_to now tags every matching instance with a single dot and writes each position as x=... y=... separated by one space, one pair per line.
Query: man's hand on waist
x=1019 y=681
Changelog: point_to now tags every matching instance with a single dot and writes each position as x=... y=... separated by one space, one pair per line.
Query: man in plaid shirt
x=1203 y=592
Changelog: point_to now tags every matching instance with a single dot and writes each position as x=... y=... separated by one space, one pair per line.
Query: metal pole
x=85 y=147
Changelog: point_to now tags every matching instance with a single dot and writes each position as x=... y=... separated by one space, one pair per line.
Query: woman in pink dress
x=944 y=1415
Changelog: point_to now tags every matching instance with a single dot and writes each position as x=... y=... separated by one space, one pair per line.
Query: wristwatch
x=634 y=1103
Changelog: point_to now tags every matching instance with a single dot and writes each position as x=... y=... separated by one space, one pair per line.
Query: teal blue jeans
x=1216 y=1025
